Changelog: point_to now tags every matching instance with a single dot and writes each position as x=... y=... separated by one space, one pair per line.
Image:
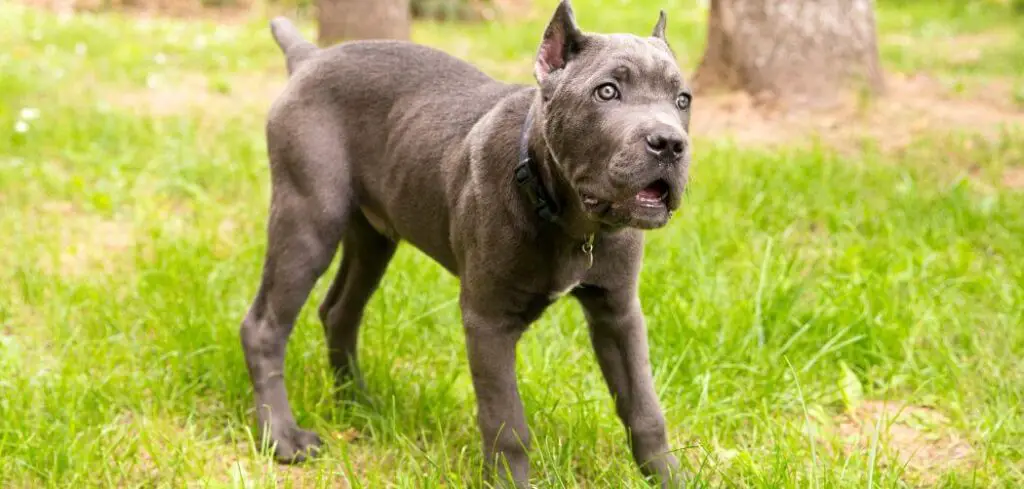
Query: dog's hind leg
x=365 y=257
x=310 y=203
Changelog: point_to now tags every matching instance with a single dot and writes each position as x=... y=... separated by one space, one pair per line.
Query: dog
x=524 y=192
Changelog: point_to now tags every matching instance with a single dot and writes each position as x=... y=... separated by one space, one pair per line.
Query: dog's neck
x=550 y=194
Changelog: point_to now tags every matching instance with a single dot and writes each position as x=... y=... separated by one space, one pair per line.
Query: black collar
x=526 y=176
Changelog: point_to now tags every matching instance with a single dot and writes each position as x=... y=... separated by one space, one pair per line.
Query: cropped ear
x=560 y=43
x=659 y=28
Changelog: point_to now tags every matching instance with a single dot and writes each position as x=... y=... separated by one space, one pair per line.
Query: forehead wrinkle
x=630 y=64
x=652 y=73
x=608 y=68
x=648 y=63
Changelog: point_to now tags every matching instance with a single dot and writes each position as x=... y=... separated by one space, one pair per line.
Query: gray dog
x=525 y=193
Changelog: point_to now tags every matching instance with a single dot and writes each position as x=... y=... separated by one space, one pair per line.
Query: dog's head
x=616 y=115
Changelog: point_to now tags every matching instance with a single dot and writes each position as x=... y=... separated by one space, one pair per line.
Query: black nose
x=665 y=144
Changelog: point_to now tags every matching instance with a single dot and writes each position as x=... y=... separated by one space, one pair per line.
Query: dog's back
x=379 y=99
x=376 y=74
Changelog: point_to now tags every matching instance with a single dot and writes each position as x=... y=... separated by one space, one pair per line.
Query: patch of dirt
x=153 y=439
x=244 y=471
x=1013 y=178
x=913 y=105
x=506 y=9
x=229 y=12
x=917 y=438
x=963 y=48
x=88 y=243
x=199 y=92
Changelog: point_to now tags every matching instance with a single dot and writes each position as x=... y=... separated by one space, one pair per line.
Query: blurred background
x=840 y=302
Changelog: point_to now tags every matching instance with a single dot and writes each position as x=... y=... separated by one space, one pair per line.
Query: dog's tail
x=295 y=48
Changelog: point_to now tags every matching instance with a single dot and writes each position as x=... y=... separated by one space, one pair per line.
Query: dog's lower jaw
x=635 y=217
x=649 y=224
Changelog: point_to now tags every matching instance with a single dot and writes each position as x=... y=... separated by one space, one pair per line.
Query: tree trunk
x=343 y=20
x=798 y=52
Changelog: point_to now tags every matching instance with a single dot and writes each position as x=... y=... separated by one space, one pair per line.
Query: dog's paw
x=293 y=445
x=665 y=472
x=675 y=480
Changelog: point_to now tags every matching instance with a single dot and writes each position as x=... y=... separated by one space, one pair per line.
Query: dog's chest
x=567 y=272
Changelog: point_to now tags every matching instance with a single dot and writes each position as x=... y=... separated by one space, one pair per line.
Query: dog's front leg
x=619 y=336
x=491 y=342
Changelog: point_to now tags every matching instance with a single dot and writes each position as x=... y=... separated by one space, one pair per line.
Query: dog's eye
x=683 y=101
x=607 y=92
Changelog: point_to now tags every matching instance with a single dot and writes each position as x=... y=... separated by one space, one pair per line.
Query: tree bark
x=798 y=52
x=343 y=20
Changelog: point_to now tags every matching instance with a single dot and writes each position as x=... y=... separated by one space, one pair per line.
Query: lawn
x=838 y=307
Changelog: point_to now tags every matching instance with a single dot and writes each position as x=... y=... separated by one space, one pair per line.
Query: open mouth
x=648 y=208
x=653 y=195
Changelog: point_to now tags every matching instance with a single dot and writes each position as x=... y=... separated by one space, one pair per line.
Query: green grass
x=797 y=281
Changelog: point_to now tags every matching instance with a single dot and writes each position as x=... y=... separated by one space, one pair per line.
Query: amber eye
x=607 y=92
x=683 y=101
